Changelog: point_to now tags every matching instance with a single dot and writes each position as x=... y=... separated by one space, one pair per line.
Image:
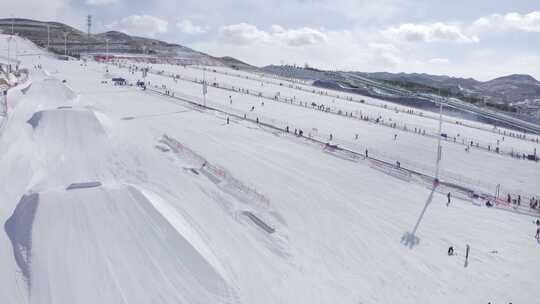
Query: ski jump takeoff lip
x=85 y=185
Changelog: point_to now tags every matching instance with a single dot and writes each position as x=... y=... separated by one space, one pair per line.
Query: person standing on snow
x=448 y=202
x=537 y=233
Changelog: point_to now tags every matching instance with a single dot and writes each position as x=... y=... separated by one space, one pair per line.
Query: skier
x=227 y=119
x=537 y=233
x=395 y=136
x=451 y=250
x=366 y=153
x=467 y=253
x=448 y=202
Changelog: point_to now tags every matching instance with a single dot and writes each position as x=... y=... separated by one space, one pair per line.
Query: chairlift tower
x=89 y=24
x=439 y=136
x=107 y=55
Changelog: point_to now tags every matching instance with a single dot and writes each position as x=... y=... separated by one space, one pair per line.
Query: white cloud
x=244 y=33
x=439 y=61
x=384 y=55
x=298 y=37
x=512 y=21
x=101 y=2
x=186 y=26
x=51 y=10
x=143 y=25
x=337 y=50
x=434 y=32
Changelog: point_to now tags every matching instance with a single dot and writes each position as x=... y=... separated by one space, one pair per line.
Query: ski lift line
x=367 y=103
x=404 y=127
x=380 y=105
x=454 y=184
x=464 y=140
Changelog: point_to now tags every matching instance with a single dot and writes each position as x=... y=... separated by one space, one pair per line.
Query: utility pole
x=16 y=52
x=12 y=23
x=204 y=87
x=107 y=55
x=89 y=24
x=9 y=54
x=48 y=36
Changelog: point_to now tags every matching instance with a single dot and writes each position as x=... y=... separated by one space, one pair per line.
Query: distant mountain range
x=52 y=34
x=501 y=91
x=507 y=89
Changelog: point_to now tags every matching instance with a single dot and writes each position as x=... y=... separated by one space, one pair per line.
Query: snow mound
x=77 y=130
x=109 y=245
x=71 y=145
x=52 y=91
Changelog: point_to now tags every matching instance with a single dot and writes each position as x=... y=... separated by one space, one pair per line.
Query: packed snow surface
x=114 y=194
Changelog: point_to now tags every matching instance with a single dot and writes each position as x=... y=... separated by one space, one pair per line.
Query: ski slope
x=112 y=194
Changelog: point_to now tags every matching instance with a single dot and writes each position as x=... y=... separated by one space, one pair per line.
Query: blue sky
x=481 y=39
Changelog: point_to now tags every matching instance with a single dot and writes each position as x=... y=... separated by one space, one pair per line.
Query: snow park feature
x=264 y=191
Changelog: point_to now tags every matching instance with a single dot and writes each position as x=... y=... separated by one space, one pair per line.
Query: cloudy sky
x=471 y=38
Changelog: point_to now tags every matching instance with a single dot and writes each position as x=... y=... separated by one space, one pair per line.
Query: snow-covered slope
x=112 y=194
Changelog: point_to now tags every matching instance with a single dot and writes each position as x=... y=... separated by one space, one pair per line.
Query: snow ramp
x=108 y=244
x=70 y=145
